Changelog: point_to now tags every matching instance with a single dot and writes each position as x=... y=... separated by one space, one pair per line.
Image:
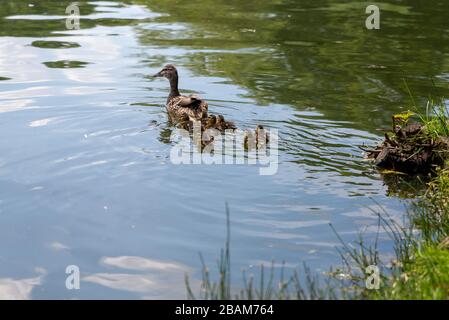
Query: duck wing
x=230 y=125
x=190 y=101
x=192 y=106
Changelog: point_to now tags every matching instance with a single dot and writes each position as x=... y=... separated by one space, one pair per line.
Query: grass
x=359 y=256
x=420 y=269
x=431 y=213
x=348 y=282
x=426 y=277
x=265 y=287
x=436 y=119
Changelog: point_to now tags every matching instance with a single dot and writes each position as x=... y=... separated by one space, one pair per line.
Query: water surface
x=85 y=171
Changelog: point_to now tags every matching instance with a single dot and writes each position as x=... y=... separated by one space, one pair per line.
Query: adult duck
x=179 y=106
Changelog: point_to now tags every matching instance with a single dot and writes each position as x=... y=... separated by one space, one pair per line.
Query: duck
x=223 y=125
x=184 y=122
x=211 y=122
x=249 y=140
x=178 y=105
x=229 y=125
x=262 y=135
x=220 y=123
x=257 y=139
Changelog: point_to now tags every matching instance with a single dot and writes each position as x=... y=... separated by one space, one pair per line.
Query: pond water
x=85 y=171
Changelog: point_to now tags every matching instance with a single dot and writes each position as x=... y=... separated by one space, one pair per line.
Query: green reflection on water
x=315 y=54
x=54 y=44
x=310 y=55
x=65 y=64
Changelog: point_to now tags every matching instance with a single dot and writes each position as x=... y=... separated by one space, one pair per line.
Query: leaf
x=391 y=172
x=404 y=116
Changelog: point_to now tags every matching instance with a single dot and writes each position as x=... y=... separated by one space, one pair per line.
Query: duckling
x=178 y=105
x=206 y=142
x=230 y=126
x=211 y=122
x=184 y=122
x=220 y=123
x=262 y=135
x=256 y=139
x=249 y=140
x=223 y=125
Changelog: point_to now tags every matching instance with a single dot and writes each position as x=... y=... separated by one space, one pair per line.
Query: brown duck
x=257 y=139
x=222 y=124
x=179 y=106
x=211 y=122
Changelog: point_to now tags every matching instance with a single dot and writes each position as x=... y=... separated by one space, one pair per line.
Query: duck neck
x=174 y=92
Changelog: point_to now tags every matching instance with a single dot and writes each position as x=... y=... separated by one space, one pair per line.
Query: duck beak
x=157 y=75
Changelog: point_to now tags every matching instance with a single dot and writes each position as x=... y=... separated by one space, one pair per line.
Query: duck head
x=169 y=72
x=220 y=119
x=211 y=120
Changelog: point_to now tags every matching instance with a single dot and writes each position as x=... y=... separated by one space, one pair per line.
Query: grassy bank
x=420 y=268
x=423 y=271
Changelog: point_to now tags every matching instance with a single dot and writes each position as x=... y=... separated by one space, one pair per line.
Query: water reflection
x=14 y=105
x=86 y=172
x=19 y=289
x=63 y=64
x=55 y=44
x=40 y=123
x=160 y=280
x=333 y=70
